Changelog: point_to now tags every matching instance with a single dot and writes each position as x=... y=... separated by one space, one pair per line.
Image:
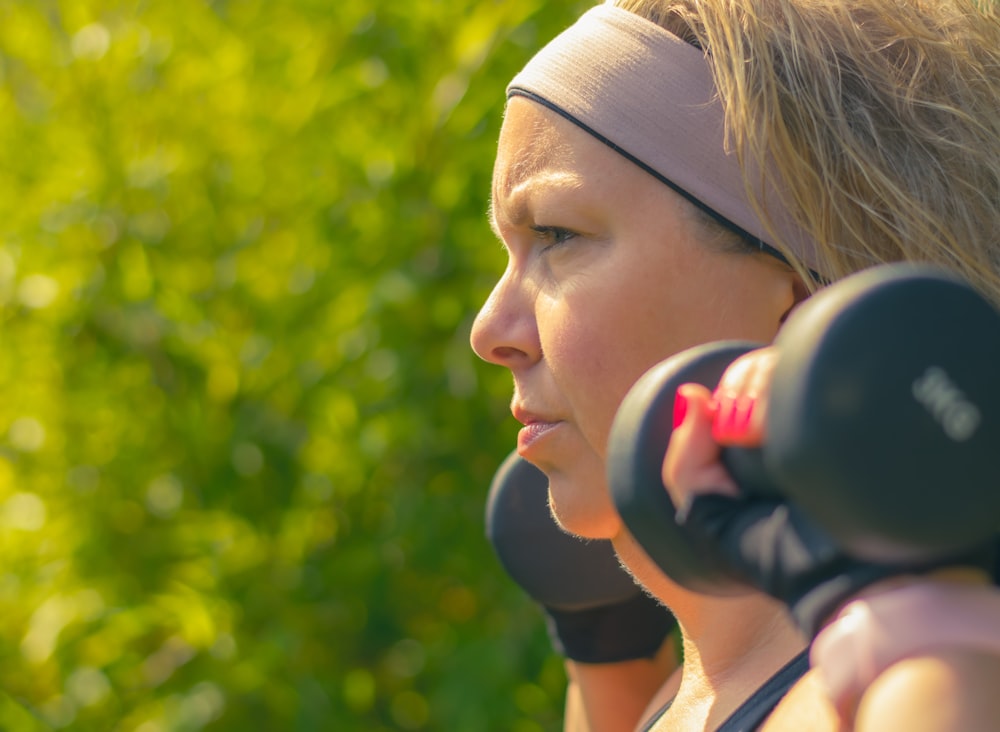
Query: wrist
x=629 y=630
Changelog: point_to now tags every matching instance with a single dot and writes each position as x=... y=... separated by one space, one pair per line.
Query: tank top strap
x=752 y=712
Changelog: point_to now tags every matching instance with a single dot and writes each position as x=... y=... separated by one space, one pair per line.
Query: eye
x=552 y=236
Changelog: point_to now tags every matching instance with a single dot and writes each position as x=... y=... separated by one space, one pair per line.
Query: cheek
x=594 y=365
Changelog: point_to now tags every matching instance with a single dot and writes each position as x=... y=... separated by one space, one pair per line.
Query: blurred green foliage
x=244 y=446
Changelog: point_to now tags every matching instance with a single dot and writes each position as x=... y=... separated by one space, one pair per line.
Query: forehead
x=533 y=142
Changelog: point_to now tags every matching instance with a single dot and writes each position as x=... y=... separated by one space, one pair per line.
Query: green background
x=244 y=445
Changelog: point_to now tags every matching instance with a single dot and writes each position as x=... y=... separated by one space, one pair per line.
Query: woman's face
x=608 y=273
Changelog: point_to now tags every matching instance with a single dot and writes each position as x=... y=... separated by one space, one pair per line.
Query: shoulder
x=805 y=708
x=951 y=689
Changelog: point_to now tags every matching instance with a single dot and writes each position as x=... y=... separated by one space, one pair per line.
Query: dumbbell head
x=636 y=446
x=883 y=426
x=884 y=418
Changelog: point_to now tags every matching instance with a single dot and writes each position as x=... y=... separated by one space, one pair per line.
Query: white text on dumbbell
x=957 y=416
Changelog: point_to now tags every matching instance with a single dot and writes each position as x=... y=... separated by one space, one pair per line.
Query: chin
x=582 y=506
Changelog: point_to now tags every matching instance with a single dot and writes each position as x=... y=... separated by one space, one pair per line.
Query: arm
x=952 y=690
x=615 y=697
x=945 y=687
x=613 y=636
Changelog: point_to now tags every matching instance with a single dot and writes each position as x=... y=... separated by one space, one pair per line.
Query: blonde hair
x=880 y=117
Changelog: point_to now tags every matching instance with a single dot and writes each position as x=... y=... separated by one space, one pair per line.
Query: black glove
x=596 y=613
x=775 y=547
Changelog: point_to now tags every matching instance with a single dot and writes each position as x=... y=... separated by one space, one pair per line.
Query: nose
x=505 y=332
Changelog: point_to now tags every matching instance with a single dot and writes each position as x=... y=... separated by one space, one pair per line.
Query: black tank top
x=755 y=709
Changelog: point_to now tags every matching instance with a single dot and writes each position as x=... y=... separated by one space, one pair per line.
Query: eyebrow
x=540 y=152
x=492 y=219
x=534 y=156
x=522 y=200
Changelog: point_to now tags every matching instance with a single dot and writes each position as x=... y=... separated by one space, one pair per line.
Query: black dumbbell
x=555 y=568
x=883 y=426
x=596 y=613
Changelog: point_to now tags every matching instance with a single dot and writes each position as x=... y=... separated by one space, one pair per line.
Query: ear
x=799 y=293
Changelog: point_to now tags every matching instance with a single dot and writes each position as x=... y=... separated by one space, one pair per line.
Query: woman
x=671 y=173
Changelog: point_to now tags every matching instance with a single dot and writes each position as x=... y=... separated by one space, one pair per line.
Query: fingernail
x=680 y=408
x=733 y=418
x=725 y=413
x=744 y=411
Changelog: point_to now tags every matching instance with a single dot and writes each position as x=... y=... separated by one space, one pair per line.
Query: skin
x=609 y=273
x=613 y=697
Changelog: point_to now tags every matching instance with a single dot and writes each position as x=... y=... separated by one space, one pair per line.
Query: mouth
x=531 y=434
x=535 y=428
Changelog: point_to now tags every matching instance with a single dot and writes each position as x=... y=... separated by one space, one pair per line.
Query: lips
x=535 y=428
x=531 y=433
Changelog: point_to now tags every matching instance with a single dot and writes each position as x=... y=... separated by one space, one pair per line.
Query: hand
x=734 y=415
x=771 y=543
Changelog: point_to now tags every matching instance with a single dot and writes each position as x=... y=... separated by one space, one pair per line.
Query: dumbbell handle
x=746 y=465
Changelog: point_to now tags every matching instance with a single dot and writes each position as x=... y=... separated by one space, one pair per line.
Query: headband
x=650 y=96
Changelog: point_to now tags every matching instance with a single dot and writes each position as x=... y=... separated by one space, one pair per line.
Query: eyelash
x=556 y=236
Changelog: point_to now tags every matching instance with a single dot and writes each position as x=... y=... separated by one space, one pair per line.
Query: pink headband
x=650 y=96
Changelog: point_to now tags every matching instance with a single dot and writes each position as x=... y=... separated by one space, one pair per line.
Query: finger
x=742 y=399
x=691 y=465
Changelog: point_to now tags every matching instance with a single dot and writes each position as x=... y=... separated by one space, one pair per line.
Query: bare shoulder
x=805 y=708
x=955 y=689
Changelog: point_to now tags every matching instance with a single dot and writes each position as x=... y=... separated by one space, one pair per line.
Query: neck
x=732 y=644
x=746 y=637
